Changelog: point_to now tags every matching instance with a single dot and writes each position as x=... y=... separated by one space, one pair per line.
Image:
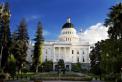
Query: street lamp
x=1 y=56
x=106 y=65
x=121 y=73
x=42 y=68
x=98 y=63
x=59 y=70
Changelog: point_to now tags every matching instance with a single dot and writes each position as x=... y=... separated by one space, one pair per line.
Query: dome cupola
x=68 y=32
x=68 y=24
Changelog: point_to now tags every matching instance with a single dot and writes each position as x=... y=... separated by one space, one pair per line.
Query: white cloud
x=95 y=33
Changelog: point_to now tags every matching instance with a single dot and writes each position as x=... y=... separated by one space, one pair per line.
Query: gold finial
x=68 y=20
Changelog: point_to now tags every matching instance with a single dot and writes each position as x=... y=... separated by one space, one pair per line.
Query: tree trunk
x=1 y=55
x=37 y=68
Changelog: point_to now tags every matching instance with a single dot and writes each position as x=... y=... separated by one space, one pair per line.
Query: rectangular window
x=46 y=51
x=72 y=51
x=77 y=52
x=83 y=52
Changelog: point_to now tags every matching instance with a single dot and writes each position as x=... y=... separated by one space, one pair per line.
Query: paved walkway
x=59 y=81
x=50 y=81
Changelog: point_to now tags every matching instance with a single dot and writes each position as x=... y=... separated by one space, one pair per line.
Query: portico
x=61 y=52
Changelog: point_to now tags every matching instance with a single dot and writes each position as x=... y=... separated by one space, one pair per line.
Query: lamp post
x=1 y=56
x=59 y=69
x=121 y=73
x=98 y=63
x=42 y=68
x=106 y=65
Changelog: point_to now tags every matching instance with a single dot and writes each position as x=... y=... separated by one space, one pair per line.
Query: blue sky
x=53 y=14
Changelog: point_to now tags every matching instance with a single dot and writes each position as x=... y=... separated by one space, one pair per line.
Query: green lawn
x=52 y=76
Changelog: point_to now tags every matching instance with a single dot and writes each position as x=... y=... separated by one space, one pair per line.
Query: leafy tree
x=5 y=36
x=95 y=57
x=110 y=50
x=37 y=57
x=61 y=63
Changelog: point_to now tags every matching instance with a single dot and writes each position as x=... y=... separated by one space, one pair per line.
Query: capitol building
x=69 y=47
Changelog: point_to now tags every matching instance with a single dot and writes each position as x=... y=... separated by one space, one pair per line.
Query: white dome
x=69 y=34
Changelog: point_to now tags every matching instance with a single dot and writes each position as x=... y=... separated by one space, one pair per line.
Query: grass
x=53 y=76
x=67 y=76
x=29 y=74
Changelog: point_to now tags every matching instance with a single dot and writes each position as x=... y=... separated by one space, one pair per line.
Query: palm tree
x=114 y=22
x=114 y=48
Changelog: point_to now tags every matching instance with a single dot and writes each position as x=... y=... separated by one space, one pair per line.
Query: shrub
x=46 y=66
x=25 y=70
x=2 y=76
x=76 y=67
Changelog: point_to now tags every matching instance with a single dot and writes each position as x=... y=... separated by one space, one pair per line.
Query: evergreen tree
x=12 y=65
x=14 y=47
x=21 y=44
x=37 y=56
x=0 y=27
x=5 y=36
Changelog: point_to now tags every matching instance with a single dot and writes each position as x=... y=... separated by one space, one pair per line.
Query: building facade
x=69 y=47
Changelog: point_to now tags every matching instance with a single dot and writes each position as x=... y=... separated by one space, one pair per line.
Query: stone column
x=70 y=66
x=59 y=54
x=54 y=59
x=54 y=55
x=65 y=54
